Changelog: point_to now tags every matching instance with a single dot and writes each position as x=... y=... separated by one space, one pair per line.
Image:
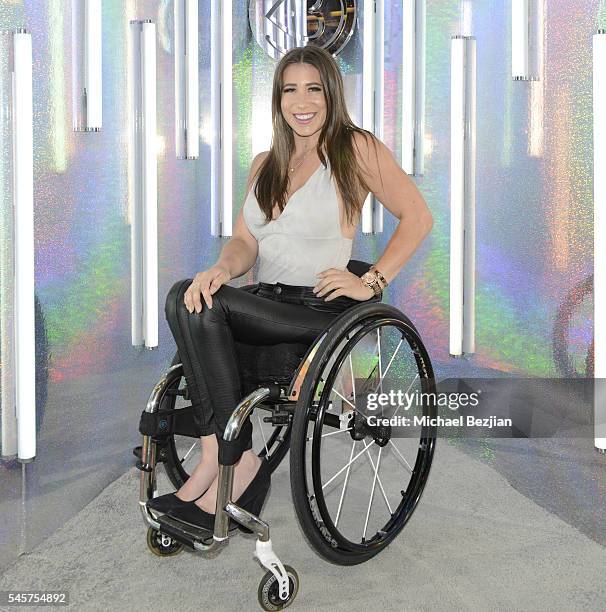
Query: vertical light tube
x=150 y=184
x=377 y=208
x=93 y=73
x=8 y=425
x=409 y=79
x=187 y=122
x=599 y=235
x=520 y=22
x=87 y=72
x=413 y=86
x=192 y=89
x=179 y=36
x=215 y=117
x=462 y=196
x=420 y=40
x=537 y=86
x=25 y=343
x=136 y=251
x=226 y=119
x=469 y=270
x=368 y=94
x=144 y=214
x=300 y=23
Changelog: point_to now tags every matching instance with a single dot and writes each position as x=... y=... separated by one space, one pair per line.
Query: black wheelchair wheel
x=180 y=453
x=348 y=508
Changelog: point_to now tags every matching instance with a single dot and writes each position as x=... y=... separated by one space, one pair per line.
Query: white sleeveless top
x=305 y=239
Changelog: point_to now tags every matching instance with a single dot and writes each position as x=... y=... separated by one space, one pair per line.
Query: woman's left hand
x=341 y=282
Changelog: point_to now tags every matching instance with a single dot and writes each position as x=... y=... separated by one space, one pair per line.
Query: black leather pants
x=260 y=314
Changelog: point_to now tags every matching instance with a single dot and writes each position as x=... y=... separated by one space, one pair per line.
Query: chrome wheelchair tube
x=244 y=517
x=226 y=472
x=148 y=451
x=242 y=411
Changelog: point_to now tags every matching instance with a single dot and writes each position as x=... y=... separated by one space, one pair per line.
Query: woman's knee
x=175 y=299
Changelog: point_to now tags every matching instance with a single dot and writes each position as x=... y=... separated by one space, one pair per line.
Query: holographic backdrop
x=534 y=218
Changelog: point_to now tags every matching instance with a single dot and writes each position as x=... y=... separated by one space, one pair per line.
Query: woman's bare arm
x=240 y=252
x=237 y=257
x=399 y=194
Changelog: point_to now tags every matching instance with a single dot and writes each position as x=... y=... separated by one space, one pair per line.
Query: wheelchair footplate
x=184 y=532
x=167 y=535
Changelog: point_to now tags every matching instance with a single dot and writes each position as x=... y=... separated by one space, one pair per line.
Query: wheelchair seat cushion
x=264 y=364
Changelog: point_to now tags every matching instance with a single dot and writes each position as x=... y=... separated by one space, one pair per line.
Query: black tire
x=158 y=547
x=168 y=453
x=317 y=523
x=268 y=594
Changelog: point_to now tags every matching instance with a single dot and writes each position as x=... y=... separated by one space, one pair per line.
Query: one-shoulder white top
x=305 y=239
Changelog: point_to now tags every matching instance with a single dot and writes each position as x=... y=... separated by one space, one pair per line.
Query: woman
x=300 y=219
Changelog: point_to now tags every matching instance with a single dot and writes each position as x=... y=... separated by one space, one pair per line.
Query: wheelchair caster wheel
x=161 y=544
x=269 y=596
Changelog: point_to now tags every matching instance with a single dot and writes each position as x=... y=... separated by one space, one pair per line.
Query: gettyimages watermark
x=481 y=407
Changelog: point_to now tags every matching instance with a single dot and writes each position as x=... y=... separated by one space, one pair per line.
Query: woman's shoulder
x=374 y=158
x=254 y=169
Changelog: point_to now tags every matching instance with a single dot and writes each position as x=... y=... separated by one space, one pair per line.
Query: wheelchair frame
x=288 y=398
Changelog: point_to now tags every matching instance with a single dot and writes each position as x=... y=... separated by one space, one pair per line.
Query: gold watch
x=369 y=279
x=382 y=279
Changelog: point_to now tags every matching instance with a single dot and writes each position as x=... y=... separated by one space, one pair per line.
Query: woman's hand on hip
x=341 y=282
x=206 y=284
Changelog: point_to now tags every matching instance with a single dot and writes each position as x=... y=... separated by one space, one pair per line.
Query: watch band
x=369 y=279
x=379 y=276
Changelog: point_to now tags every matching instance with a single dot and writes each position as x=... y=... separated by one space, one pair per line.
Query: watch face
x=368 y=277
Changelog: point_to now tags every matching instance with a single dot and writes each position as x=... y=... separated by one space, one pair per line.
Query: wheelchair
x=313 y=398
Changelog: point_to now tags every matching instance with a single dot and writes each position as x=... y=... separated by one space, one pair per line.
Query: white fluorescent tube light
x=599 y=235
x=187 y=123
x=24 y=314
x=300 y=22
x=136 y=254
x=215 y=118
x=87 y=73
x=379 y=73
x=520 y=26
x=150 y=185
x=221 y=118
x=144 y=214
x=192 y=99
x=368 y=95
x=8 y=424
x=93 y=73
x=413 y=86
x=462 y=195
x=227 y=110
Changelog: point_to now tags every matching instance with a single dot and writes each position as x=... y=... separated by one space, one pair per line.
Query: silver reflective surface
x=281 y=25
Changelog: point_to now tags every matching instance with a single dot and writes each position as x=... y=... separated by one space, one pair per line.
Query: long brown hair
x=336 y=136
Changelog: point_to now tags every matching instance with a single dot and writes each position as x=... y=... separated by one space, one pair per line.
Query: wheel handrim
x=399 y=513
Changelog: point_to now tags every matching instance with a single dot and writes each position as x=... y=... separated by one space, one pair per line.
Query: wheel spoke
x=407 y=390
x=330 y=433
x=389 y=364
x=191 y=448
x=379 y=354
x=263 y=435
x=344 y=398
x=353 y=446
x=400 y=454
x=372 y=492
x=353 y=380
x=379 y=481
x=347 y=464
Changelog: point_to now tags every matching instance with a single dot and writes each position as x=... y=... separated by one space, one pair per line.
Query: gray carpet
x=474 y=543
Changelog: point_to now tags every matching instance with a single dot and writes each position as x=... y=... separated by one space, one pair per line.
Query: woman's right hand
x=205 y=283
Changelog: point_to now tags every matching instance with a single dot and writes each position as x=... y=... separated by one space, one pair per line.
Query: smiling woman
x=303 y=203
